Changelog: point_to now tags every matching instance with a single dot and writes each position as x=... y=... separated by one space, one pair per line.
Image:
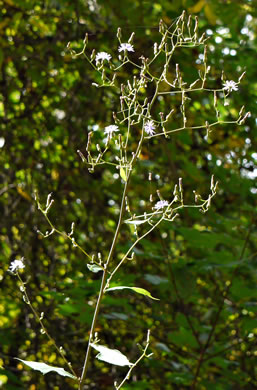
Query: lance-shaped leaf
x=45 y=368
x=94 y=268
x=112 y=356
x=123 y=174
x=136 y=289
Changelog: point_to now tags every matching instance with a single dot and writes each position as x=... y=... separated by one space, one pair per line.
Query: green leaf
x=45 y=368
x=155 y=279
x=123 y=174
x=94 y=268
x=112 y=356
x=136 y=289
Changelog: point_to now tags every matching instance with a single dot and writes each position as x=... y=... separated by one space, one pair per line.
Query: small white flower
x=102 y=56
x=109 y=130
x=230 y=85
x=161 y=204
x=126 y=47
x=149 y=128
x=16 y=265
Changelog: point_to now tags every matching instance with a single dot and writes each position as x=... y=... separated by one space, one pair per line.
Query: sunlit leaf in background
x=112 y=356
x=45 y=368
x=136 y=289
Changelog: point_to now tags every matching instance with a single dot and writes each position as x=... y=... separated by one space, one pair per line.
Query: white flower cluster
x=109 y=130
x=126 y=47
x=102 y=56
x=230 y=85
x=161 y=204
x=16 y=265
x=149 y=127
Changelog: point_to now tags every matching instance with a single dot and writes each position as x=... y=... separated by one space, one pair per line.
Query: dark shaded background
x=47 y=107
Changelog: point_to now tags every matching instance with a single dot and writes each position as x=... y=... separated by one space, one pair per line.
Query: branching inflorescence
x=155 y=79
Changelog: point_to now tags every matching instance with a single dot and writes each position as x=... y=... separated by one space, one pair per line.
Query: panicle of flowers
x=149 y=127
x=126 y=47
x=102 y=55
x=109 y=130
x=161 y=204
x=16 y=265
x=230 y=85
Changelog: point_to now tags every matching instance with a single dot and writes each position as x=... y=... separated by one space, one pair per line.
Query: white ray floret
x=16 y=265
x=126 y=47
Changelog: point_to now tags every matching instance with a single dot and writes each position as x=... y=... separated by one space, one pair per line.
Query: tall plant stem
x=110 y=256
x=114 y=242
x=101 y=292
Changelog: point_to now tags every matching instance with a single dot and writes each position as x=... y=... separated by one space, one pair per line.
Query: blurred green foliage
x=201 y=267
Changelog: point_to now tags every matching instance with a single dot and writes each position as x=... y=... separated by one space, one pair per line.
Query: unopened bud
x=242 y=75
x=169 y=114
x=193 y=84
x=180 y=184
x=155 y=48
x=196 y=24
x=205 y=54
x=162 y=116
x=177 y=71
x=212 y=183
x=161 y=27
x=131 y=38
x=215 y=99
x=241 y=111
x=244 y=118
x=92 y=57
x=189 y=21
x=119 y=33
x=85 y=41
x=202 y=38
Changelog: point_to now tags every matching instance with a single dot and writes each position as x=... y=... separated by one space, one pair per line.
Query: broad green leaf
x=123 y=174
x=116 y=316
x=155 y=279
x=112 y=356
x=94 y=268
x=163 y=347
x=45 y=368
x=136 y=289
x=135 y=221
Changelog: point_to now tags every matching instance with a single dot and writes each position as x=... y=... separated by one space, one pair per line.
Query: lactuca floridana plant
x=148 y=102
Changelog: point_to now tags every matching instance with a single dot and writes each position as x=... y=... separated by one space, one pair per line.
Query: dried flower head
x=230 y=85
x=16 y=265
x=126 y=47
x=149 y=128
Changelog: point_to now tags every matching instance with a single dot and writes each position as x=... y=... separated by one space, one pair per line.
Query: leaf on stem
x=94 y=268
x=45 y=368
x=123 y=174
x=136 y=289
x=112 y=356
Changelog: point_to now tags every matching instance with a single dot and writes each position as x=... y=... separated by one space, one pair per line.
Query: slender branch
x=136 y=363
x=39 y=318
